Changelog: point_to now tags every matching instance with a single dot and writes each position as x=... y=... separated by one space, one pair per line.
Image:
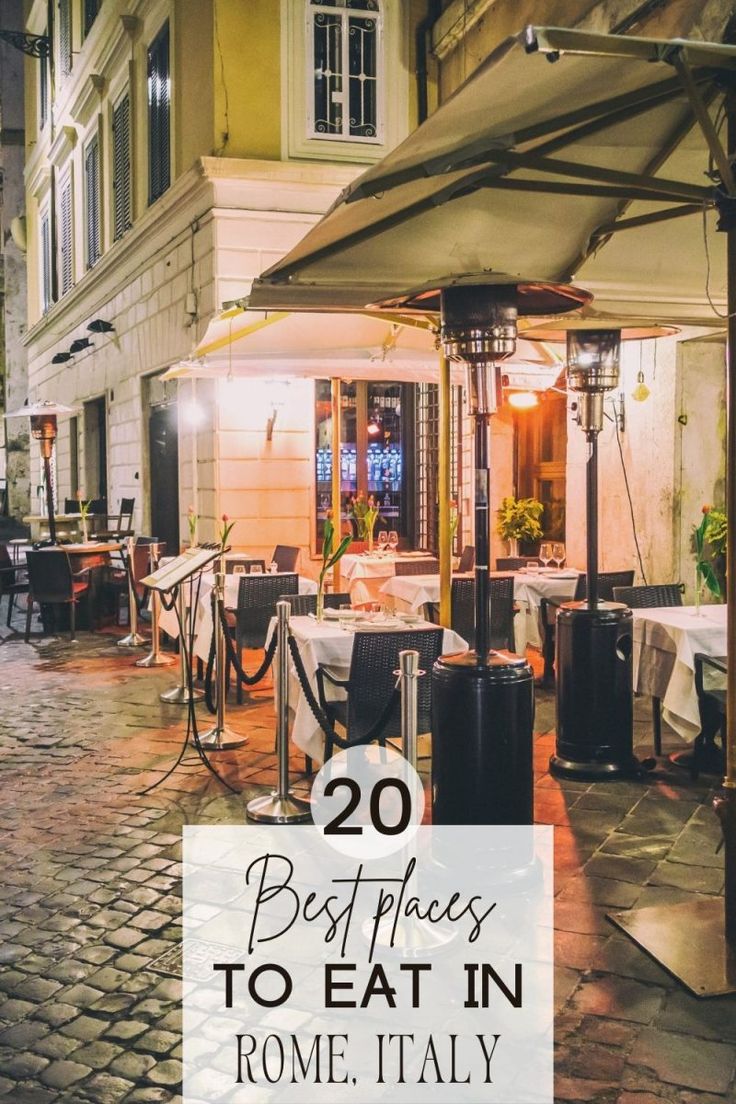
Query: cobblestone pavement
x=90 y=884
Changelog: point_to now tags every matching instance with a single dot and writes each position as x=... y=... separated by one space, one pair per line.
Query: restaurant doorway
x=541 y=458
x=95 y=449
x=163 y=453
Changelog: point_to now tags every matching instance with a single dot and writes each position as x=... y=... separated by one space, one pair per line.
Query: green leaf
x=710 y=579
x=341 y=548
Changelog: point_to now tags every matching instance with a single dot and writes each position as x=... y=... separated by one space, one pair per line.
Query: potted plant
x=329 y=558
x=519 y=519
x=709 y=539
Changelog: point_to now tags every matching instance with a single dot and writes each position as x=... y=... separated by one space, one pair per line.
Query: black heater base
x=595 y=701
x=482 y=740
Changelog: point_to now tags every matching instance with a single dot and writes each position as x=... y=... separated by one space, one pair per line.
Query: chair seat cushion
x=79 y=587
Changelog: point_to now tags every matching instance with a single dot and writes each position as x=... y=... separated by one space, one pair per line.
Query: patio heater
x=593 y=661
x=483 y=699
x=43 y=417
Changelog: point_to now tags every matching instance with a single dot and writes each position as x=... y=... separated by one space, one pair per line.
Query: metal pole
x=133 y=639
x=335 y=393
x=482 y=536
x=591 y=521
x=181 y=695
x=445 y=491
x=220 y=737
x=49 y=497
x=155 y=658
x=409 y=671
x=281 y=807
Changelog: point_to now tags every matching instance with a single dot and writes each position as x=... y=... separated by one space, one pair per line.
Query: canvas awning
x=553 y=172
x=349 y=346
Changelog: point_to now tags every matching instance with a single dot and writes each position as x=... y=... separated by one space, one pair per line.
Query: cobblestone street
x=89 y=904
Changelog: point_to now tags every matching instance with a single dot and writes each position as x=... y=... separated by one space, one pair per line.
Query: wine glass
x=256 y=569
x=382 y=540
x=393 y=540
x=545 y=552
x=558 y=553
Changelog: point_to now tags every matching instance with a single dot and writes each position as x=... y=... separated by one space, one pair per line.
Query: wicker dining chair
x=712 y=709
x=11 y=584
x=51 y=582
x=249 y=622
x=286 y=556
x=501 y=591
x=651 y=596
x=371 y=682
x=467 y=559
x=304 y=604
x=411 y=566
x=118 y=525
x=548 y=607
x=514 y=563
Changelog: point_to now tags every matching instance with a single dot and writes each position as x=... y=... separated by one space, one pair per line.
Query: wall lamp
x=98 y=325
x=61 y=358
x=270 y=423
x=79 y=344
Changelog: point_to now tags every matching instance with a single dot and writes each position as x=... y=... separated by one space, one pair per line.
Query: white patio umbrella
x=606 y=168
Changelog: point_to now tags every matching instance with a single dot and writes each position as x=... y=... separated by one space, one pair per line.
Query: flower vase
x=698 y=587
x=85 y=531
x=513 y=547
x=320 y=611
x=369 y=540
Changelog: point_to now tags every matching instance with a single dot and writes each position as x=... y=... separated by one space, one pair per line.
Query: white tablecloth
x=413 y=591
x=328 y=644
x=364 y=574
x=665 y=641
x=203 y=618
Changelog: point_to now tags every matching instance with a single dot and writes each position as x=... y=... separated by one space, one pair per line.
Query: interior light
x=373 y=428
x=523 y=400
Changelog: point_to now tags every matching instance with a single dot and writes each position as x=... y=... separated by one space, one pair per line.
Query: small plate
x=341 y=615
x=409 y=618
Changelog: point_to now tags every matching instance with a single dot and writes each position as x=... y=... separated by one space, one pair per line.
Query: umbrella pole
x=445 y=491
x=335 y=386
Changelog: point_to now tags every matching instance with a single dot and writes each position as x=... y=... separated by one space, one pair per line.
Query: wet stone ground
x=90 y=891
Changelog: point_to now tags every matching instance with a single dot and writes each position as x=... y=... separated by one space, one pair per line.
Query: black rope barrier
x=234 y=658
x=139 y=602
x=210 y=698
x=376 y=730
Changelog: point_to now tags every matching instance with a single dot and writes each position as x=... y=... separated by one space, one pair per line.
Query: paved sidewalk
x=90 y=884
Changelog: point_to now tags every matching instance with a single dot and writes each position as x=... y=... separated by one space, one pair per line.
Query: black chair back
x=7 y=568
x=71 y=505
x=467 y=559
x=649 y=597
x=501 y=590
x=411 y=566
x=374 y=660
x=304 y=604
x=49 y=575
x=257 y=598
x=286 y=557
x=510 y=563
x=607 y=580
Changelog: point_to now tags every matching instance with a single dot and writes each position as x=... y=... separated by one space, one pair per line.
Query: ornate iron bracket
x=37 y=46
x=726 y=207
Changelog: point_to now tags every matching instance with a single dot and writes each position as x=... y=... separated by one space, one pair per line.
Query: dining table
x=199 y=590
x=330 y=643
x=366 y=572
x=414 y=592
x=665 y=641
x=86 y=554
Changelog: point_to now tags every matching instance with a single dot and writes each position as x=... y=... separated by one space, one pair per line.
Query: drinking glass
x=382 y=540
x=545 y=552
x=393 y=540
x=558 y=553
x=256 y=569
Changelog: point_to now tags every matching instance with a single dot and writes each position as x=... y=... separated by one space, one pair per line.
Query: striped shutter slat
x=159 y=116
x=121 y=179
x=65 y=37
x=66 y=267
x=92 y=196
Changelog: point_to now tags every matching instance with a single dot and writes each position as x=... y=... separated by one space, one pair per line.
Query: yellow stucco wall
x=193 y=94
x=246 y=63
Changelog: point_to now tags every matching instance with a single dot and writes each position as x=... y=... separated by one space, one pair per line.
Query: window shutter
x=159 y=116
x=47 y=296
x=66 y=269
x=92 y=198
x=43 y=92
x=65 y=37
x=121 y=183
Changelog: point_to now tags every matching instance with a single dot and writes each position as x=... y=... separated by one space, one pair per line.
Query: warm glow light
x=194 y=414
x=523 y=400
x=373 y=428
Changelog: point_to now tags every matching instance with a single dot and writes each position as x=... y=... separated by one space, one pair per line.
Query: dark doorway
x=163 y=444
x=95 y=449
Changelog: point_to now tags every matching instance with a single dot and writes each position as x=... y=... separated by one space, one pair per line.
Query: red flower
x=706 y=509
x=225 y=518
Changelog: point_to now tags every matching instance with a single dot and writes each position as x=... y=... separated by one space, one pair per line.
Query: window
x=91 y=8
x=427 y=463
x=92 y=202
x=64 y=243
x=47 y=277
x=377 y=427
x=65 y=37
x=43 y=91
x=344 y=62
x=121 y=185
x=159 y=115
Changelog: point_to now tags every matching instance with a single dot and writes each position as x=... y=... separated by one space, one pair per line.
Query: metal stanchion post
x=133 y=639
x=220 y=737
x=155 y=658
x=182 y=694
x=281 y=807
x=409 y=672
